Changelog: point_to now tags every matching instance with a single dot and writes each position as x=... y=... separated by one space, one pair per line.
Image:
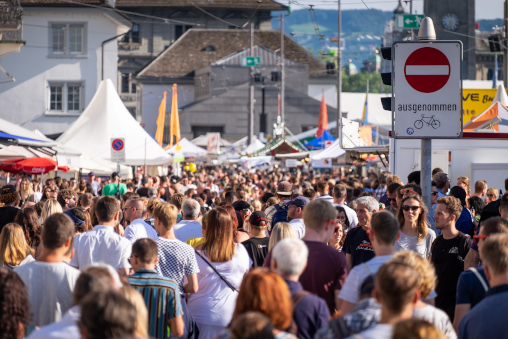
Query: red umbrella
x=36 y=165
x=8 y=165
x=63 y=168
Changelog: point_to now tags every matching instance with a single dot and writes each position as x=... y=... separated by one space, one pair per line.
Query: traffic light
x=386 y=52
x=495 y=43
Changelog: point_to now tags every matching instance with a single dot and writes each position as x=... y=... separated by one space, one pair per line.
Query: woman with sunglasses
x=492 y=194
x=414 y=233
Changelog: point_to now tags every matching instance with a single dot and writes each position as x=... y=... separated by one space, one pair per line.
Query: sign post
x=250 y=61
x=118 y=150
x=427 y=89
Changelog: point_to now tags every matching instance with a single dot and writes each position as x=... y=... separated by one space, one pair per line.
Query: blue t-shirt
x=465 y=222
x=488 y=318
x=469 y=288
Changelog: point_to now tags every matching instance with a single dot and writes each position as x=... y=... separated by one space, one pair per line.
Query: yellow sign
x=475 y=102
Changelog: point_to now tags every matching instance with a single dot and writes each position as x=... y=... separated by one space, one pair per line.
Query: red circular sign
x=427 y=70
x=117 y=144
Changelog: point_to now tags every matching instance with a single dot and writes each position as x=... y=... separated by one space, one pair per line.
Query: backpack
x=281 y=213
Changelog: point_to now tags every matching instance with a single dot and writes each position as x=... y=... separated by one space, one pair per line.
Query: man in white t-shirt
x=339 y=199
x=133 y=212
x=50 y=281
x=396 y=290
x=103 y=244
x=189 y=227
x=383 y=234
x=295 y=215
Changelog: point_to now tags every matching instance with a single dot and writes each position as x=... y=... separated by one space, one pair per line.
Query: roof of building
x=61 y=3
x=267 y=57
x=231 y=4
x=190 y=52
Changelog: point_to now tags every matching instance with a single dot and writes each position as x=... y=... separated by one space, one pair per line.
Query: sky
x=485 y=9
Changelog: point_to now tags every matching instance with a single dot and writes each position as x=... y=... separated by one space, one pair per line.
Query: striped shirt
x=162 y=299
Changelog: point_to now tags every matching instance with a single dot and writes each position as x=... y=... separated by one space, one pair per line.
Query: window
x=133 y=35
x=180 y=29
x=67 y=39
x=125 y=83
x=65 y=97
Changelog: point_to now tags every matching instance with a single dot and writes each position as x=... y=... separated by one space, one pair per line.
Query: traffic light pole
x=250 y=121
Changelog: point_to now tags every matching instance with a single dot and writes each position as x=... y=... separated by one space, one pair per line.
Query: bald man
x=138 y=228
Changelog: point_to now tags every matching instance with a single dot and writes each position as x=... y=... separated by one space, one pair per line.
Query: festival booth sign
x=494 y=118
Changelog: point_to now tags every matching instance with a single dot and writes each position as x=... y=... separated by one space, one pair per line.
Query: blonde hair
x=27 y=193
x=13 y=245
x=50 y=207
x=416 y=329
x=465 y=181
x=167 y=213
x=426 y=272
x=256 y=204
x=281 y=230
x=152 y=203
x=317 y=212
x=494 y=191
x=136 y=299
x=494 y=253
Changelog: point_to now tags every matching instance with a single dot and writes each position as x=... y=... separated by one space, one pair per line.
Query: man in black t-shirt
x=357 y=244
x=257 y=245
x=10 y=198
x=448 y=252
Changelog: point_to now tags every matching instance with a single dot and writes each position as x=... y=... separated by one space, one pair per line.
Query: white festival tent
x=202 y=141
x=331 y=152
x=256 y=145
x=106 y=118
x=189 y=150
x=37 y=144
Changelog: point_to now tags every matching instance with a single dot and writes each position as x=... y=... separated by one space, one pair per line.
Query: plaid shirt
x=366 y=314
x=380 y=191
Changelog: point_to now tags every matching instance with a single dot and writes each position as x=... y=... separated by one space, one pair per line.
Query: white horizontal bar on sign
x=427 y=70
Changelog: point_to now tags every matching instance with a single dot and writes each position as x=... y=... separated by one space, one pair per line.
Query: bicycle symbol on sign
x=429 y=121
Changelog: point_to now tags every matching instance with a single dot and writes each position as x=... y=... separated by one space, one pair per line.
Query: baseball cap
x=91 y=174
x=299 y=201
x=284 y=188
x=240 y=205
x=7 y=189
x=257 y=218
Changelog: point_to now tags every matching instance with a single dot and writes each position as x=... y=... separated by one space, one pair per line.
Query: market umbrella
x=36 y=165
x=8 y=165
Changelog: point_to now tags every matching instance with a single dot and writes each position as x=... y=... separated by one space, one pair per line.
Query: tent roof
x=255 y=145
x=202 y=140
x=23 y=135
x=495 y=114
x=332 y=152
x=105 y=118
x=188 y=149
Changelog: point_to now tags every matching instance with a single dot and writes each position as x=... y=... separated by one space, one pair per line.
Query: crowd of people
x=223 y=253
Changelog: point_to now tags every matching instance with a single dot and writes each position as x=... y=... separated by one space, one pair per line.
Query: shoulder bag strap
x=298 y=296
x=479 y=276
x=220 y=275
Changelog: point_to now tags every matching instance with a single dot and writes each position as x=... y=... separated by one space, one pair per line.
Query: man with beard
x=295 y=215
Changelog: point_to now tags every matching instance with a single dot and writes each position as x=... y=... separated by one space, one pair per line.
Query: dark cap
x=284 y=188
x=459 y=193
x=299 y=201
x=241 y=205
x=91 y=174
x=257 y=218
x=7 y=189
x=114 y=175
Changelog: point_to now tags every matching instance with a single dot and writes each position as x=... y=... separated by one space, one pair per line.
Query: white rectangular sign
x=291 y=163
x=427 y=89
x=213 y=143
x=118 y=150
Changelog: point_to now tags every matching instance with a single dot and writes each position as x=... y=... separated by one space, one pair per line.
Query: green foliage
x=358 y=83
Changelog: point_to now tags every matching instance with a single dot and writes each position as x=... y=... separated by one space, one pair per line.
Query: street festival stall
x=188 y=149
x=106 y=119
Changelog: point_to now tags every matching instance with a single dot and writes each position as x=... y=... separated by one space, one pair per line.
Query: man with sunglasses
x=67 y=199
x=448 y=252
x=391 y=197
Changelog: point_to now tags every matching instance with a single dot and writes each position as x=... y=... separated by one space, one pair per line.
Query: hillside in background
x=362 y=30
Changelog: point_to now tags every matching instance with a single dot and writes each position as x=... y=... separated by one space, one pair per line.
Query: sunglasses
x=390 y=200
x=334 y=223
x=476 y=238
x=412 y=208
x=490 y=195
x=407 y=191
x=434 y=193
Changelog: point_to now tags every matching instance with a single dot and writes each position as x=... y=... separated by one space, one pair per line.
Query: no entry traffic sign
x=427 y=70
x=118 y=150
x=427 y=87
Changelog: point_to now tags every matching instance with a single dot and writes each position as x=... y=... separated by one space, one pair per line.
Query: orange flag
x=175 y=121
x=323 y=118
x=159 y=134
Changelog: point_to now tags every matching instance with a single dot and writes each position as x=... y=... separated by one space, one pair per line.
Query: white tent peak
x=188 y=149
x=105 y=118
x=501 y=95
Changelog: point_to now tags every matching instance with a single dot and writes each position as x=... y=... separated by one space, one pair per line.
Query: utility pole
x=250 y=120
x=282 y=76
x=338 y=114
x=505 y=50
